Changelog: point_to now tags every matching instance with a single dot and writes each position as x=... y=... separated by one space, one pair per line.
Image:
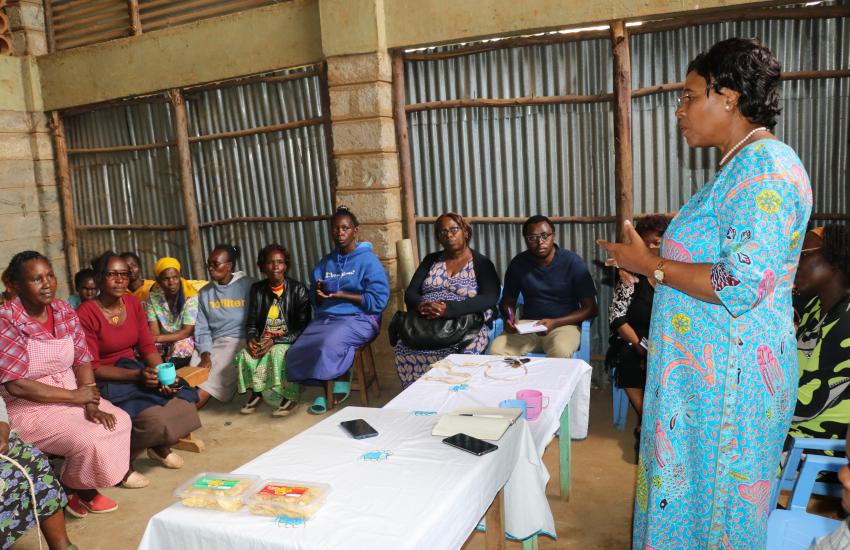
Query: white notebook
x=529 y=327
x=488 y=423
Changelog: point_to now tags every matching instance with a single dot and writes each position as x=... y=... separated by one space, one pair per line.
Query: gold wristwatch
x=659 y=272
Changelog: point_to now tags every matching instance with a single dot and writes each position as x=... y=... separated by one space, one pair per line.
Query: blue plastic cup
x=515 y=404
x=167 y=373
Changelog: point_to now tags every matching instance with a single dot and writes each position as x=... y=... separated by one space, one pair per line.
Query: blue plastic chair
x=621 y=403
x=794 y=528
x=794 y=478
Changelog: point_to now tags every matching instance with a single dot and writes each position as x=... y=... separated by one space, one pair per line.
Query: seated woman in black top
x=278 y=311
x=448 y=284
x=629 y=317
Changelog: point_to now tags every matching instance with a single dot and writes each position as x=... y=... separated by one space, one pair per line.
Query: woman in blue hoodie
x=220 y=326
x=349 y=288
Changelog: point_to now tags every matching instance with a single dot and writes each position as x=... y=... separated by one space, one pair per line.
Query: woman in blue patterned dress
x=448 y=284
x=722 y=372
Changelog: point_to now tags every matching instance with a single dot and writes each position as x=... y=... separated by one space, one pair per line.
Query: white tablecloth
x=424 y=495
x=563 y=381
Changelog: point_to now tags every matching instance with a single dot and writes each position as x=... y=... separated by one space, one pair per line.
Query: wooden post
x=63 y=176
x=494 y=537
x=135 y=18
x=324 y=90
x=48 y=26
x=187 y=187
x=623 y=176
x=403 y=145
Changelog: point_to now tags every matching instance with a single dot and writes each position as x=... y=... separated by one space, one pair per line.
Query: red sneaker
x=76 y=508
x=100 y=504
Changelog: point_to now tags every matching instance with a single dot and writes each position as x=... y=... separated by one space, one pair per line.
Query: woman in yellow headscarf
x=172 y=308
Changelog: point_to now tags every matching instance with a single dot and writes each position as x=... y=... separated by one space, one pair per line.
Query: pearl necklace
x=732 y=151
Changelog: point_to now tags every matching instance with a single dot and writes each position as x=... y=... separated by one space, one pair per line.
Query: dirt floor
x=597 y=516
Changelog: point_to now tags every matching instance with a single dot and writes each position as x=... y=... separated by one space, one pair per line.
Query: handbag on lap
x=421 y=333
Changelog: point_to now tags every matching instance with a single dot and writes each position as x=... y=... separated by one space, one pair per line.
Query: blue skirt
x=325 y=350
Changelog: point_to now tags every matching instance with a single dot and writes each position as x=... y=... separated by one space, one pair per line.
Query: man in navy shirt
x=557 y=291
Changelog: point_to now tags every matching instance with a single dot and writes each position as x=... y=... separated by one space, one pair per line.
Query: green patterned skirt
x=267 y=375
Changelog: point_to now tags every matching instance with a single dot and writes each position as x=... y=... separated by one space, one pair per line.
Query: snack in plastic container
x=293 y=499
x=216 y=491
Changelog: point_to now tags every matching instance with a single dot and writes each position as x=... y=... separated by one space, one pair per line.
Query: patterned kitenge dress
x=16 y=505
x=722 y=378
x=439 y=286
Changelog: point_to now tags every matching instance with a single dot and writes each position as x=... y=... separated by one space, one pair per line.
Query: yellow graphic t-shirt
x=275 y=320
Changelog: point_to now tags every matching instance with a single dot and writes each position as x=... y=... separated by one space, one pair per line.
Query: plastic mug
x=515 y=404
x=535 y=402
x=329 y=286
x=167 y=373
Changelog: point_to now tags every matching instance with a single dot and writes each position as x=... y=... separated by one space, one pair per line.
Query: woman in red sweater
x=116 y=329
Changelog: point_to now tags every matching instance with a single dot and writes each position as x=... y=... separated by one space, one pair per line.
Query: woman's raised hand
x=633 y=255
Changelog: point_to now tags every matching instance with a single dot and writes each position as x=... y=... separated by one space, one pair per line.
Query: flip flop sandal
x=251 y=405
x=286 y=408
x=319 y=406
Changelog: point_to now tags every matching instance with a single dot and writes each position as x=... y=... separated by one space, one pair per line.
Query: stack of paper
x=488 y=423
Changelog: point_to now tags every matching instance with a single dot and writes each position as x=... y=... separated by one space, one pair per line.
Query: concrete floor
x=597 y=517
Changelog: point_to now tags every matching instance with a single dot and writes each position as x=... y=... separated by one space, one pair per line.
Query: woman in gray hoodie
x=220 y=327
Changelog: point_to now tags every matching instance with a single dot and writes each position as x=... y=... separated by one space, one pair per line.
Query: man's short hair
x=537 y=218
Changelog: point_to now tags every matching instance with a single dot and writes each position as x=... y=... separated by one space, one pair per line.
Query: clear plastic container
x=216 y=491
x=287 y=498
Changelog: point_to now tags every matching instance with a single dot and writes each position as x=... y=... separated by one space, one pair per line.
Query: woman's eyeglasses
x=685 y=99
x=807 y=251
x=531 y=239
x=216 y=265
x=443 y=233
x=115 y=275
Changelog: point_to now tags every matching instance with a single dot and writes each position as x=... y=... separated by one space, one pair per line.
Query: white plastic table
x=403 y=489
x=566 y=383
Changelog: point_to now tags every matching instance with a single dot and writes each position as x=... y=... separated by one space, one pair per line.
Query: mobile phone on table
x=358 y=428
x=470 y=444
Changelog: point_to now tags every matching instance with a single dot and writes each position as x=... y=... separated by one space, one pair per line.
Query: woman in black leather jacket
x=278 y=311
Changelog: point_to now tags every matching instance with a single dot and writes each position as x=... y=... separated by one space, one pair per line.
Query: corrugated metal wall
x=267 y=174
x=135 y=187
x=558 y=160
x=517 y=161
x=814 y=121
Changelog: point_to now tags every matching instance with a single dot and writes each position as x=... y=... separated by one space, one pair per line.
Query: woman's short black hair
x=655 y=223
x=126 y=255
x=268 y=249
x=82 y=275
x=344 y=211
x=836 y=248
x=533 y=220
x=15 y=271
x=101 y=263
x=233 y=252
x=747 y=67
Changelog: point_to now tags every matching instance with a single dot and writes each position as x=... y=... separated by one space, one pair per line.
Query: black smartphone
x=470 y=444
x=358 y=429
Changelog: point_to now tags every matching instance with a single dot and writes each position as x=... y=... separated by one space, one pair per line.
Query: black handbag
x=421 y=333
